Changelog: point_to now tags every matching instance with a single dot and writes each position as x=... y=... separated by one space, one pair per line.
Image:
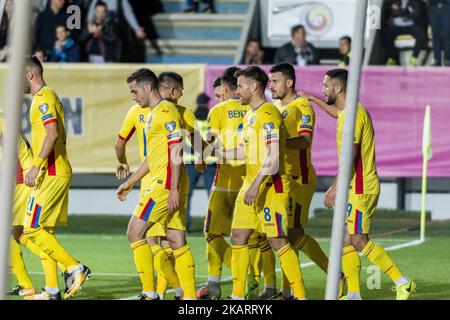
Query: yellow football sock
x=17 y=265
x=239 y=267
x=216 y=247
x=50 y=270
x=312 y=249
x=351 y=266
x=143 y=258
x=290 y=266
x=254 y=258
x=47 y=242
x=185 y=268
x=268 y=264
x=164 y=266
x=379 y=257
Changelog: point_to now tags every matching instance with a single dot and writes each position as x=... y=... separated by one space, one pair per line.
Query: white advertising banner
x=325 y=20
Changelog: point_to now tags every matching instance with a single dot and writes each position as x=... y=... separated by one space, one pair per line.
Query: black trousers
x=390 y=33
x=439 y=17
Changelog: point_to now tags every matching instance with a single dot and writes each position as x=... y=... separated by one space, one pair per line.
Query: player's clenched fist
x=173 y=201
x=122 y=171
x=30 y=178
x=123 y=190
x=330 y=197
x=251 y=194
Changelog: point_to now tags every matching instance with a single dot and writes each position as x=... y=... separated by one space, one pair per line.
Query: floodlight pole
x=19 y=39
x=343 y=180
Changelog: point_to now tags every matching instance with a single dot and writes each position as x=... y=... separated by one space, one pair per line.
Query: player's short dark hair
x=340 y=75
x=255 y=73
x=286 y=69
x=229 y=78
x=143 y=75
x=170 y=78
x=346 y=38
x=33 y=62
x=101 y=3
x=297 y=27
x=217 y=82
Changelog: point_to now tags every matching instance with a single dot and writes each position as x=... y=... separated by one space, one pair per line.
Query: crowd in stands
x=115 y=31
x=112 y=30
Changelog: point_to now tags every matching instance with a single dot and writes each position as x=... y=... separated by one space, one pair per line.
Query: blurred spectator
x=144 y=11
x=194 y=6
x=218 y=91
x=39 y=53
x=403 y=17
x=345 y=47
x=298 y=51
x=122 y=12
x=101 y=38
x=439 y=17
x=5 y=26
x=46 y=23
x=201 y=124
x=65 y=49
x=254 y=54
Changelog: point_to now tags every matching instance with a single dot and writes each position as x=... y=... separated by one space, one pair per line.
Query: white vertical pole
x=353 y=83
x=19 y=40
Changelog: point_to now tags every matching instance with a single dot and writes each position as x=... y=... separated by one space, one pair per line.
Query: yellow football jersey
x=164 y=127
x=136 y=121
x=365 y=178
x=24 y=154
x=226 y=120
x=188 y=119
x=299 y=118
x=46 y=108
x=262 y=127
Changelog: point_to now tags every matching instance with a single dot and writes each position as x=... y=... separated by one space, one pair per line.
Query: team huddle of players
x=261 y=194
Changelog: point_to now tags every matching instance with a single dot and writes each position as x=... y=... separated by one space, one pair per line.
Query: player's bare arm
x=330 y=109
x=330 y=196
x=269 y=167
x=176 y=160
x=122 y=169
x=50 y=139
x=125 y=188
x=301 y=142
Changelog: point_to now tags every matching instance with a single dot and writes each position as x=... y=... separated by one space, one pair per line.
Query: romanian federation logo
x=43 y=108
x=268 y=127
x=240 y=127
x=306 y=118
x=252 y=120
x=318 y=19
x=170 y=126
x=284 y=114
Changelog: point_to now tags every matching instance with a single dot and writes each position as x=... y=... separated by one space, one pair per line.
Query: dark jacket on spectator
x=286 y=53
x=45 y=26
x=107 y=45
x=414 y=11
x=69 y=53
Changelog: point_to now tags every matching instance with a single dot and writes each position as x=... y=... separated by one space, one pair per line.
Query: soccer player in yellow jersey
x=299 y=119
x=218 y=91
x=170 y=86
x=21 y=193
x=50 y=177
x=165 y=201
x=363 y=194
x=225 y=122
x=263 y=200
x=136 y=122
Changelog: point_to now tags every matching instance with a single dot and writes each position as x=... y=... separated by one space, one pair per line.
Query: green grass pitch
x=100 y=243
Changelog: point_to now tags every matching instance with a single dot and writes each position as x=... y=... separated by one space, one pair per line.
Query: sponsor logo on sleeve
x=170 y=126
x=306 y=118
x=43 y=108
x=268 y=126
